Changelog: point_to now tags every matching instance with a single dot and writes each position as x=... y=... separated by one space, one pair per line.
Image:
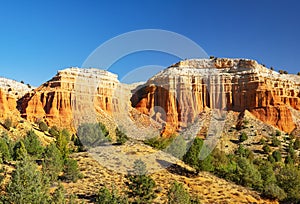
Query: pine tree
x=141 y=186
x=20 y=151
x=178 y=195
x=33 y=144
x=193 y=154
x=53 y=162
x=59 y=195
x=71 y=171
x=27 y=185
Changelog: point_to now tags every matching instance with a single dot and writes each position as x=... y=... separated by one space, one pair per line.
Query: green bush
x=278 y=133
x=27 y=185
x=177 y=148
x=59 y=195
x=178 y=195
x=243 y=137
x=266 y=149
x=277 y=155
x=140 y=186
x=53 y=162
x=106 y=196
x=20 y=152
x=7 y=123
x=289 y=180
x=275 y=142
x=71 y=171
x=273 y=191
x=297 y=144
x=54 y=132
x=93 y=134
x=159 y=143
x=193 y=154
x=121 y=136
x=4 y=150
x=33 y=144
x=43 y=126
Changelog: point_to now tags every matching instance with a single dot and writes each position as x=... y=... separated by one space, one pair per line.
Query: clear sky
x=37 y=38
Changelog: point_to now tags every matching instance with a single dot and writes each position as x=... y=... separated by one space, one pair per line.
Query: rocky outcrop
x=8 y=105
x=180 y=93
x=73 y=96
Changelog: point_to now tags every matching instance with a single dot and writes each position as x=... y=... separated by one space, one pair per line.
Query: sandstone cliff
x=185 y=89
x=71 y=97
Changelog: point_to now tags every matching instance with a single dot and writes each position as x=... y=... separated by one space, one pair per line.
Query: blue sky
x=38 y=38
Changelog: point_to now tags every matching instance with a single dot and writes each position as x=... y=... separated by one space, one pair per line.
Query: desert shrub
x=178 y=147
x=266 y=149
x=297 y=144
x=59 y=195
x=244 y=152
x=193 y=154
x=159 y=143
x=178 y=195
x=33 y=144
x=278 y=133
x=288 y=179
x=273 y=191
x=53 y=162
x=121 y=136
x=288 y=159
x=275 y=142
x=71 y=171
x=54 y=132
x=105 y=196
x=140 y=186
x=277 y=155
x=93 y=134
x=4 y=150
x=43 y=126
x=247 y=174
x=243 y=137
x=8 y=123
x=298 y=73
x=266 y=171
x=20 y=152
x=27 y=185
x=271 y=158
x=62 y=141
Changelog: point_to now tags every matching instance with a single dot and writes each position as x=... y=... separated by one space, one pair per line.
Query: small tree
x=33 y=144
x=54 y=132
x=106 y=196
x=53 y=162
x=177 y=147
x=297 y=144
x=27 y=185
x=121 y=136
x=193 y=154
x=141 y=186
x=266 y=149
x=20 y=151
x=275 y=142
x=4 y=150
x=43 y=126
x=7 y=123
x=277 y=156
x=178 y=195
x=59 y=195
x=243 y=137
x=71 y=171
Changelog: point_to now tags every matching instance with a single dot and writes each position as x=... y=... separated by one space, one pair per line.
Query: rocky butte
x=189 y=87
x=174 y=98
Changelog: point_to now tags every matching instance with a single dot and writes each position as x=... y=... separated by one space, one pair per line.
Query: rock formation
x=185 y=89
x=73 y=94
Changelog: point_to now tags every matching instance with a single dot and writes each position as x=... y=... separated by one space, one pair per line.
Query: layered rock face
x=178 y=94
x=73 y=96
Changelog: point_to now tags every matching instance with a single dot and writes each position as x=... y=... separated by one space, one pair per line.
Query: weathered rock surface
x=185 y=89
x=73 y=96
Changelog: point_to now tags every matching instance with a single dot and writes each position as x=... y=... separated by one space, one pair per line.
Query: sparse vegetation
x=43 y=126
